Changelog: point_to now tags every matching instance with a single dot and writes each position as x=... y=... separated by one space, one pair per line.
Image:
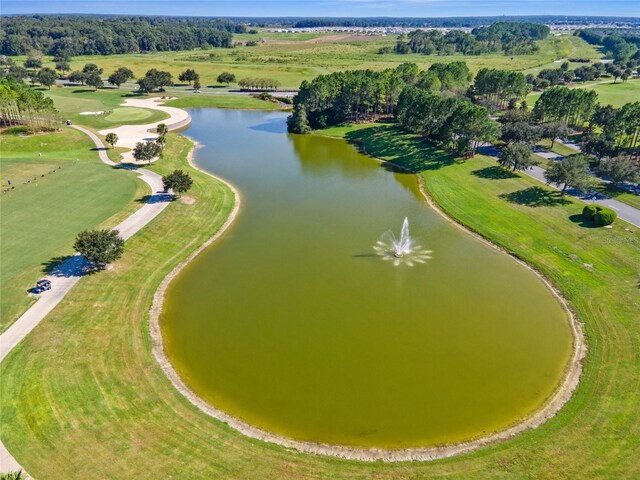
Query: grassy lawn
x=292 y=58
x=608 y=93
x=71 y=101
x=619 y=93
x=222 y=101
x=69 y=190
x=558 y=148
x=83 y=397
x=619 y=194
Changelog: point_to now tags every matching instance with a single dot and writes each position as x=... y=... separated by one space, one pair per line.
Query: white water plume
x=402 y=250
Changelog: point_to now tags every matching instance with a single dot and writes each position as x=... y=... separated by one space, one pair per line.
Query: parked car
x=42 y=286
x=197 y=91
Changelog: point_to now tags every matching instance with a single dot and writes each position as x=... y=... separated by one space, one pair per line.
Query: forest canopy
x=511 y=38
x=66 y=36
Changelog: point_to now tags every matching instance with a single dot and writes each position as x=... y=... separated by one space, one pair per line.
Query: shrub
x=599 y=215
x=589 y=212
x=604 y=216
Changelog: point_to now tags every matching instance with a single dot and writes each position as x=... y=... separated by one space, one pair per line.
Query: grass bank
x=68 y=190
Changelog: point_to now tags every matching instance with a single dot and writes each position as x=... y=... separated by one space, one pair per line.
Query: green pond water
x=291 y=323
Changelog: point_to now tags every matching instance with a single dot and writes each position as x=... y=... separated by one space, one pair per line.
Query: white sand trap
x=91 y=113
x=129 y=135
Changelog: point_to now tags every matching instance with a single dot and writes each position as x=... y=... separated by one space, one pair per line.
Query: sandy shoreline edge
x=550 y=408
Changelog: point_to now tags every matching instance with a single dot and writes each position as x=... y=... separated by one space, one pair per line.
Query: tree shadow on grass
x=535 y=197
x=495 y=173
x=84 y=90
x=402 y=152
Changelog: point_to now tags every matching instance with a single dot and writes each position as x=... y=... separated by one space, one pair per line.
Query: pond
x=292 y=323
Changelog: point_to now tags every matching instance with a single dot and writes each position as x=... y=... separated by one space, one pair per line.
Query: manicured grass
x=223 y=101
x=558 y=148
x=609 y=93
x=83 y=397
x=71 y=101
x=619 y=194
x=619 y=93
x=69 y=190
x=292 y=58
x=129 y=115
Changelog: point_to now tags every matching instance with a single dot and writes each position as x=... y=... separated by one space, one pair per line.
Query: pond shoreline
x=550 y=407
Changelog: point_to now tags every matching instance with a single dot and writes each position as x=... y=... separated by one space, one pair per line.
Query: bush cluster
x=599 y=215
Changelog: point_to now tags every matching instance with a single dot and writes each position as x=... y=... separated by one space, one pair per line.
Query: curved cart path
x=67 y=274
x=129 y=135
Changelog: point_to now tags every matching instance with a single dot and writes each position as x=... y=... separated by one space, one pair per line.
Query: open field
x=103 y=408
x=291 y=58
x=40 y=219
x=609 y=93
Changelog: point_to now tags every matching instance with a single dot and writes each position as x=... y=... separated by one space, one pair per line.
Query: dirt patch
x=188 y=200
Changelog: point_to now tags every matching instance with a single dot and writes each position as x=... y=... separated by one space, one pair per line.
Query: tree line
x=69 y=35
x=511 y=38
x=622 y=45
x=585 y=73
x=22 y=105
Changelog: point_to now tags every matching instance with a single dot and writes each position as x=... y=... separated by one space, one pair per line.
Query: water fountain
x=403 y=249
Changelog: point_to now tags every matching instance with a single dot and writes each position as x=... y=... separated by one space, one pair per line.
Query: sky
x=331 y=8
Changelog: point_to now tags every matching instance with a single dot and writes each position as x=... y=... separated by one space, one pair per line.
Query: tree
x=90 y=68
x=189 y=75
x=517 y=156
x=33 y=63
x=520 y=132
x=196 y=84
x=120 y=76
x=100 y=247
x=77 y=77
x=599 y=146
x=161 y=141
x=111 y=139
x=155 y=79
x=572 y=171
x=178 y=181
x=63 y=66
x=297 y=121
x=94 y=80
x=162 y=129
x=620 y=169
x=47 y=77
x=554 y=130
x=226 y=77
x=146 y=151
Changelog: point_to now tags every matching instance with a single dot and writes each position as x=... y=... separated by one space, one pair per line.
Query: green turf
x=84 y=398
x=223 y=101
x=71 y=101
x=609 y=93
x=69 y=190
x=129 y=115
